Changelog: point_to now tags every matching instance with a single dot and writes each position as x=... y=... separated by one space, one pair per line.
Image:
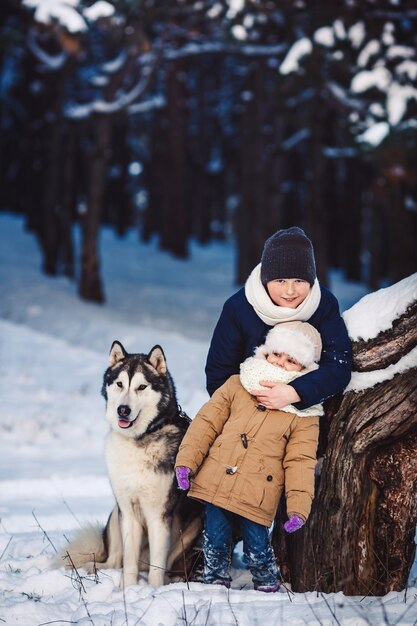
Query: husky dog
x=152 y=524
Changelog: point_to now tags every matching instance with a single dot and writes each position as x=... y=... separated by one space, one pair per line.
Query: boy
x=282 y=288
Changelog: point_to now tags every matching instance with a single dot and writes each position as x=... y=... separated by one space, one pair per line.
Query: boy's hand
x=277 y=395
x=182 y=474
x=293 y=524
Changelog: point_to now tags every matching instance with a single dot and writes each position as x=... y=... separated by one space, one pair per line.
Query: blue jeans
x=218 y=532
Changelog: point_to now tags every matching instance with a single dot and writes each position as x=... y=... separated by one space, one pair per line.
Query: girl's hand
x=182 y=474
x=293 y=524
x=277 y=395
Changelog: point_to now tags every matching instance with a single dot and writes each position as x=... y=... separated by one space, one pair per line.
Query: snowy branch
x=49 y=11
x=123 y=101
x=195 y=49
x=157 y=102
x=51 y=62
x=343 y=98
x=113 y=66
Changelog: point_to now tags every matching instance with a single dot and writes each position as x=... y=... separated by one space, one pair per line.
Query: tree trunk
x=401 y=227
x=250 y=231
x=68 y=201
x=351 y=219
x=359 y=537
x=316 y=211
x=174 y=228
x=90 y=282
x=201 y=139
x=156 y=171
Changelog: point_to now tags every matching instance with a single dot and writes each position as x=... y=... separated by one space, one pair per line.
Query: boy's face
x=287 y=362
x=288 y=292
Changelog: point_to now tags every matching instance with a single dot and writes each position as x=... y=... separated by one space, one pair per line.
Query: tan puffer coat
x=240 y=456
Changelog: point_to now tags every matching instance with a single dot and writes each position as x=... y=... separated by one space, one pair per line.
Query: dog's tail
x=94 y=546
x=86 y=547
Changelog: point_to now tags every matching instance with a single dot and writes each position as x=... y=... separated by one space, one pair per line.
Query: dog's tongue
x=125 y=424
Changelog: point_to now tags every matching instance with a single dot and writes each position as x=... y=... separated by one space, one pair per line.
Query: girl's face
x=287 y=362
x=288 y=292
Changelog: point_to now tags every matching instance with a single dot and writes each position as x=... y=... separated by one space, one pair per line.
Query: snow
x=54 y=349
x=371 y=49
x=298 y=50
x=388 y=37
x=379 y=77
x=407 y=69
x=64 y=11
x=324 y=36
x=364 y=380
x=239 y=32
x=374 y=314
x=235 y=6
x=397 y=100
x=215 y=11
x=98 y=10
x=339 y=29
x=404 y=52
x=376 y=311
x=124 y=99
x=52 y=62
x=116 y=64
x=375 y=134
x=357 y=34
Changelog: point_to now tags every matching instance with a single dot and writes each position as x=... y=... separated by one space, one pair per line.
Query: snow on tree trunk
x=359 y=538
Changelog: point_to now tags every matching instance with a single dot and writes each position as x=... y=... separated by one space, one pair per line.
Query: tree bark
x=316 y=209
x=68 y=201
x=351 y=219
x=359 y=538
x=174 y=228
x=90 y=287
x=250 y=230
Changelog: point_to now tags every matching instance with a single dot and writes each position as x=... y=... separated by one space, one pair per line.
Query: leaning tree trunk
x=360 y=536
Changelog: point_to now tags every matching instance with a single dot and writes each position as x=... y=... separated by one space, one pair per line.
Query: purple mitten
x=182 y=474
x=293 y=524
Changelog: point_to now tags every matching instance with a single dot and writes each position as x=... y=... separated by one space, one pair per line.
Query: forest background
x=195 y=130
x=213 y=119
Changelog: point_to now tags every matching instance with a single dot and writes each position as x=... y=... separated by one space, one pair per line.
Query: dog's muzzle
x=124 y=411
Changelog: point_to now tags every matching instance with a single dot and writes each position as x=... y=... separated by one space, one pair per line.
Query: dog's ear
x=156 y=358
x=117 y=353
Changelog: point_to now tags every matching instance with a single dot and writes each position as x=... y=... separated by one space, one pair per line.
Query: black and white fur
x=146 y=428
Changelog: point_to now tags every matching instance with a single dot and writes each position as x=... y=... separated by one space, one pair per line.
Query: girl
x=239 y=456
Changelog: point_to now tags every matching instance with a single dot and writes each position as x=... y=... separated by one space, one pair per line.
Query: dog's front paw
x=126 y=580
x=156 y=578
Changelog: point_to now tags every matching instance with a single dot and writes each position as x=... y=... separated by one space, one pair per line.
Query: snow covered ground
x=53 y=351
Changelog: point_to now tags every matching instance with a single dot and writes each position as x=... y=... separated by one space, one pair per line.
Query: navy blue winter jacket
x=239 y=330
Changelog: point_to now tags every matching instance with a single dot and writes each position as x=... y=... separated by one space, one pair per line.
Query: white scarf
x=271 y=313
x=254 y=369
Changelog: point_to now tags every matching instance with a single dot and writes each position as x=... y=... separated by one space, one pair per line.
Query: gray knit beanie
x=288 y=254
